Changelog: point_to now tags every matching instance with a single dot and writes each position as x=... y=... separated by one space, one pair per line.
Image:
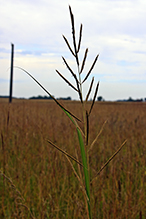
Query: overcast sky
x=114 y=29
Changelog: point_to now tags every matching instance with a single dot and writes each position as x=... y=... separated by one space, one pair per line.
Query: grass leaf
x=110 y=159
x=87 y=125
x=64 y=152
x=59 y=104
x=86 y=173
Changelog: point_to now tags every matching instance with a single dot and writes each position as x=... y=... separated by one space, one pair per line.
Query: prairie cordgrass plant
x=81 y=160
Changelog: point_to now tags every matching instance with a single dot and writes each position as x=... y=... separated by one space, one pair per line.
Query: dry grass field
x=37 y=181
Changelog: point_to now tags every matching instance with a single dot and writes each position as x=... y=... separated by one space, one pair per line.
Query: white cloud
x=114 y=29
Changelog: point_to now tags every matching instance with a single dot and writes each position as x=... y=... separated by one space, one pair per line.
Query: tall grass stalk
x=83 y=133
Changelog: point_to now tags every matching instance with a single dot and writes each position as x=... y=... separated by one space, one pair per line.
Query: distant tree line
x=100 y=98
x=4 y=96
x=49 y=98
x=133 y=100
x=41 y=97
x=64 y=98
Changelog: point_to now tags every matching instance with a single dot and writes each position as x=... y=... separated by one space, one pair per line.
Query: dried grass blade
x=80 y=37
x=25 y=206
x=66 y=80
x=110 y=159
x=91 y=146
x=59 y=104
x=83 y=63
x=18 y=192
x=90 y=88
x=12 y=185
x=94 y=98
x=90 y=69
x=81 y=183
x=59 y=149
x=68 y=45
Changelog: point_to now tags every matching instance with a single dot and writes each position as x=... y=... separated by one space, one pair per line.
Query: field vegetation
x=37 y=181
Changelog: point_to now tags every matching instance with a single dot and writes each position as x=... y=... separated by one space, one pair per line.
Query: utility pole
x=11 y=73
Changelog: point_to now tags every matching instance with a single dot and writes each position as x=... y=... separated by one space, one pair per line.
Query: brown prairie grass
x=39 y=183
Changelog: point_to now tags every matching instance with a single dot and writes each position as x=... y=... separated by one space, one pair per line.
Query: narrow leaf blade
x=59 y=104
x=86 y=173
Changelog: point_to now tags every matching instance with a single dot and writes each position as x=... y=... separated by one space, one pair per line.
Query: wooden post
x=11 y=73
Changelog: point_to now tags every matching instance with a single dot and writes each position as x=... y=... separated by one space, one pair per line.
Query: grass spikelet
x=84 y=60
x=73 y=74
x=80 y=37
x=66 y=80
x=95 y=94
x=68 y=45
x=90 y=88
x=73 y=34
x=90 y=69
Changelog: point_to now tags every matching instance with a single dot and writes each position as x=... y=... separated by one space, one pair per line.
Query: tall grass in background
x=81 y=124
x=38 y=181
